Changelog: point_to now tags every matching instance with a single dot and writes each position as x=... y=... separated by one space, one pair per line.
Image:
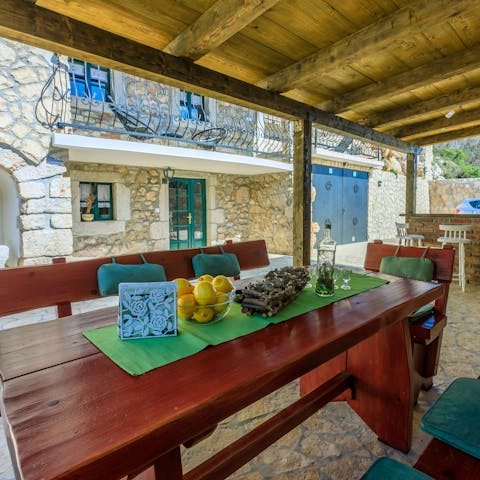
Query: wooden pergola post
x=411 y=187
x=302 y=186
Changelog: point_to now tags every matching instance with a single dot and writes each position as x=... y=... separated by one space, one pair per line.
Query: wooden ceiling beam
x=117 y=16
x=449 y=136
x=442 y=69
x=221 y=21
x=438 y=105
x=381 y=35
x=439 y=125
x=25 y=22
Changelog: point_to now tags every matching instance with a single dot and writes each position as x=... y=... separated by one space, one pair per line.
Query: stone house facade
x=247 y=194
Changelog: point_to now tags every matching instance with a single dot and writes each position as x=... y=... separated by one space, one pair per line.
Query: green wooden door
x=187 y=213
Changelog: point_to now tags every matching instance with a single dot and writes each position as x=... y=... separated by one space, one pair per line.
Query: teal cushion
x=421 y=313
x=408 y=267
x=388 y=469
x=110 y=275
x=455 y=417
x=216 y=264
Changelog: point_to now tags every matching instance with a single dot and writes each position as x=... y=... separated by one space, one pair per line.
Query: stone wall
x=42 y=201
x=257 y=207
x=139 y=223
x=445 y=195
x=23 y=72
x=386 y=202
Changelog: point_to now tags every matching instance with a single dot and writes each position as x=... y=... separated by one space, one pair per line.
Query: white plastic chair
x=457 y=235
x=405 y=237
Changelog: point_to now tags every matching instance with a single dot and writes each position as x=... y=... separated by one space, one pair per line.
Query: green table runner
x=142 y=355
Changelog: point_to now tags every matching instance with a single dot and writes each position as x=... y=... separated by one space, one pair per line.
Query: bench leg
x=383 y=376
x=169 y=466
x=383 y=392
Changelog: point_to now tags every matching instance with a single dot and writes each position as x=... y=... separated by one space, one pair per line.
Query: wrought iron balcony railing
x=87 y=97
x=339 y=143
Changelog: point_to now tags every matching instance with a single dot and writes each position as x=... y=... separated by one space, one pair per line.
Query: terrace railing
x=339 y=143
x=86 y=97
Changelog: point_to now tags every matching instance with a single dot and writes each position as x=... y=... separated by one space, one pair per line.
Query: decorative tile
x=147 y=310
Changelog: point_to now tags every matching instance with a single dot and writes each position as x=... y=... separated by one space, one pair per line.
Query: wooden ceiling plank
x=120 y=17
x=368 y=41
x=437 y=105
x=221 y=21
x=449 y=136
x=25 y=22
x=441 y=69
x=438 y=124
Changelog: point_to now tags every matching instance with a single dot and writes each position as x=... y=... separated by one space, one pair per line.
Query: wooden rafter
x=220 y=22
x=378 y=36
x=437 y=105
x=456 y=64
x=449 y=136
x=439 y=125
x=25 y=22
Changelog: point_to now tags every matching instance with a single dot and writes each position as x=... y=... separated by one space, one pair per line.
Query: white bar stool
x=457 y=235
x=407 y=238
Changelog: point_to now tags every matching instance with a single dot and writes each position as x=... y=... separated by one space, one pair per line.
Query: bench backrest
x=59 y=284
x=443 y=258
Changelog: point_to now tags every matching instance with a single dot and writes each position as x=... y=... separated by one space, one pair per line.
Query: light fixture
x=168 y=174
x=450 y=114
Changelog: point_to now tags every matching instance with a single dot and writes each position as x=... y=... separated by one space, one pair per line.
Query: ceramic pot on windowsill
x=87 y=217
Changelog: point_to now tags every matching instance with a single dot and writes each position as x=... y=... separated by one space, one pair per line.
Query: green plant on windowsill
x=88 y=215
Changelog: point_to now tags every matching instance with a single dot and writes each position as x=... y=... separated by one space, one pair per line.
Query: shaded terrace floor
x=333 y=444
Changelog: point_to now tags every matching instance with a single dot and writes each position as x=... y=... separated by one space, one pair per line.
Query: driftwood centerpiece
x=275 y=291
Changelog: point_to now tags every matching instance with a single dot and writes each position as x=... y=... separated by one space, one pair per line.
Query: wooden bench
x=426 y=333
x=62 y=283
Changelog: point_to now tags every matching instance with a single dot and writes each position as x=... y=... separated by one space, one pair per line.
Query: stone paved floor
x=333 y=444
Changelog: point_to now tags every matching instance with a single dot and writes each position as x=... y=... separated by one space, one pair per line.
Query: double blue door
x=341 y=199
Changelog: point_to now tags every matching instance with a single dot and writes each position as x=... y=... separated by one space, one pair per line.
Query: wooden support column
x=302 y=181
x=411 y=193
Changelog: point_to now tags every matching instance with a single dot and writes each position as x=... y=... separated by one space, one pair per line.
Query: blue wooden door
x=342 y=200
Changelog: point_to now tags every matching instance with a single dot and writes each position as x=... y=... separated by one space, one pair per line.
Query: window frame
x=187 y=107
x=90 y=84
x=97 y=217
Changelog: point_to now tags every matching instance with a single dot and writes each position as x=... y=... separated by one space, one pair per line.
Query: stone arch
x=9 y=212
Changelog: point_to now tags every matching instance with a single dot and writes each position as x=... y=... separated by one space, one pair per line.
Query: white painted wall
x=9 y=211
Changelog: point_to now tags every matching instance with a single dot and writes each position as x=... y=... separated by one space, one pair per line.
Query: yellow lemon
x=205 y=278
x=186 y=305
x=184 y=286
x=204 y=293
x=203 y=314
x=222 y=284
x=223 y=299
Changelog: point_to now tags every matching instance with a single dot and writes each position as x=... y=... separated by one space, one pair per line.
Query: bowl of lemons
x=206 y=301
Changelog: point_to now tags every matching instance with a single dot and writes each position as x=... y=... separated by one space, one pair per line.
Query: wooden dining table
x=71 y=413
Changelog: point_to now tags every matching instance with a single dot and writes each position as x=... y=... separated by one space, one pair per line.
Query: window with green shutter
x=96 y=199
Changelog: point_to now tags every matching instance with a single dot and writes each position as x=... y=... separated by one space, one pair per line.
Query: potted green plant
x=88 y=216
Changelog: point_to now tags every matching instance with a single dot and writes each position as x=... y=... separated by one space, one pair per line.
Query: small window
x=192 y=106
x=96 y=201
x=90 y=81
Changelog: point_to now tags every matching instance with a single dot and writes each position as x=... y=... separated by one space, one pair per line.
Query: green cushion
x=110 y=275
x=455 y=417
x=408 y=267
x=388 y=469
x=216 y=264
x=421 y=313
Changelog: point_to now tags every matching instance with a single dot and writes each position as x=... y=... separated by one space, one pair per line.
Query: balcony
x=87 y=99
